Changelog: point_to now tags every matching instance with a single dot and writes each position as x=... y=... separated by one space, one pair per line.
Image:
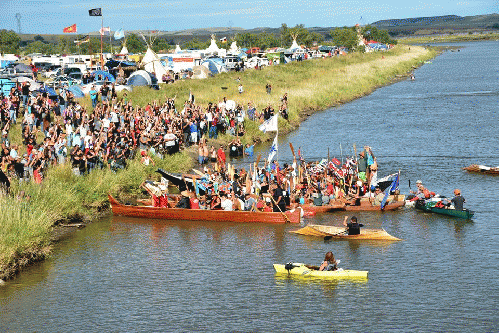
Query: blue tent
x=50 y=91
x=140 y=78
x=104 y=75
x=6 y=85
x=76 y=91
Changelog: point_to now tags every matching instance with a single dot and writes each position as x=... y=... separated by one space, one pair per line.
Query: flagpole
x=110 y=43
x=101 y=30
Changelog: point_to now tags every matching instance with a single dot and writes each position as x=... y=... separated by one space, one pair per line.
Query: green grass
x=25 y=227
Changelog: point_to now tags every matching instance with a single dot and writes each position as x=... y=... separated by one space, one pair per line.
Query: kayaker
x=422 y=192
x=458 y=200
x=329 y=263
x=353 y=227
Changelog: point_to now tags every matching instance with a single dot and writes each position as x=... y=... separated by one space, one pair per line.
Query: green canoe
x=428 y=207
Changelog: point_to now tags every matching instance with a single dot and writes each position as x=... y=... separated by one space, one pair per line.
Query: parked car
x=59 y=81
x=98 y=84
x=254 y=61
x=53 y=72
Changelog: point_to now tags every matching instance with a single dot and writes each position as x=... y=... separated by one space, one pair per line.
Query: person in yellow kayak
x=353 y=227
x=329 y=263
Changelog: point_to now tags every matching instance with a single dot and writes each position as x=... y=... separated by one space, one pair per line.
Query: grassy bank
x=26 y=225
x=449 y=38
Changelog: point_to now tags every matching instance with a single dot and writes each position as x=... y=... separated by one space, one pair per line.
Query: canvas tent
x=178 y=49
x=140 y=78
x=200 y=72
x=152 y=64
x=103 y=76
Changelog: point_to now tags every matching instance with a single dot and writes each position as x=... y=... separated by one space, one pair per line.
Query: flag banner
x=95 y=12
x=273 y=150
x=104 y=31
x=70 y=29
x=119 y=34
x=393 y=187
x=223 y=40
x=270 y=125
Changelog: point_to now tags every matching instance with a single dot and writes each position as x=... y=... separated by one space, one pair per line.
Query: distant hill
x=396 y=27
x=439 y=24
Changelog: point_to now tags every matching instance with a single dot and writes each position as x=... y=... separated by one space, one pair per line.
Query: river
x=123 y=274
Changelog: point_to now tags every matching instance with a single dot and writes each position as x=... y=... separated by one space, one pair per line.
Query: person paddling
x=353 y=227
x=458 y=200
x=329 y=263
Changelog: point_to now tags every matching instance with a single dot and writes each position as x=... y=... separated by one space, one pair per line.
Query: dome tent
x=140 y=78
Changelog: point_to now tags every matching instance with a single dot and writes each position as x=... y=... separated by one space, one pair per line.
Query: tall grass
x=26 y=225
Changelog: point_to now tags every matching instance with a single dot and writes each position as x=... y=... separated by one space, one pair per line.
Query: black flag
x=95 y=12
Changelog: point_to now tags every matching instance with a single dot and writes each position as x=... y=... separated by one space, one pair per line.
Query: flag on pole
x=95 y=12
x=223 y=40
x=104 y=31
x=119 y=34
x=273 y=150
x=391 y=188
x=270 y=125
x=70 y=29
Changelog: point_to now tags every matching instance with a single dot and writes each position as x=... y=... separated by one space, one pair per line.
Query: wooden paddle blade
x=292 y=150
x=258 y=159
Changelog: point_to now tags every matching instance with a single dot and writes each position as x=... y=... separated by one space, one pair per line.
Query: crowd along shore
x=29 y=220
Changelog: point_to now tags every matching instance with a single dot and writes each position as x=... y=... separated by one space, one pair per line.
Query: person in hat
x=422 y=192
x=146 y=160
x=154 y=192
x=184 y=202
x=458 y=201
x=353 y=227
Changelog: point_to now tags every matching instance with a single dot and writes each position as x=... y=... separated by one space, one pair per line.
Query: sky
x=51 y=16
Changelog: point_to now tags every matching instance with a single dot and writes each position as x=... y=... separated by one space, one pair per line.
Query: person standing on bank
x=353 y=227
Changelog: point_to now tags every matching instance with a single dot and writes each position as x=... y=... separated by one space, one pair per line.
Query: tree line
x=11 y=43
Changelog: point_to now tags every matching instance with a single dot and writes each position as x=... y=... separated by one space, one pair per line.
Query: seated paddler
x=353 y=227
x=329 y=263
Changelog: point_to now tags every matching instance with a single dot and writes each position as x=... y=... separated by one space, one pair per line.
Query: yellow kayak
x=304 y=271
x=340 y=233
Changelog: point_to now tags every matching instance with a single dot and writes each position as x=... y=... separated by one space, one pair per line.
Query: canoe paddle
x=284 y=215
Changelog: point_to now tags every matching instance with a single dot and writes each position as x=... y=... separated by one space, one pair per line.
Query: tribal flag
x=70 y=29
x=391 y=188
x=105 y=31
x=273 y=149
x=223 y=40
x=270 y=125
x=95 y=12
x=119 y=34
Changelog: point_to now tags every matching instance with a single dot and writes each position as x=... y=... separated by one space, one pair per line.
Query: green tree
x=134 y=44
x=284 y=35
x=196 y=44
x=312 y=37
x=380 y=35
x=247 y=40
x=346 y=37
x=9 y=41
x=39 y=47
x=267 y=40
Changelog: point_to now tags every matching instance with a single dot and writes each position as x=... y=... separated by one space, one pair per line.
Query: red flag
x=336 y=161
x=70 y=29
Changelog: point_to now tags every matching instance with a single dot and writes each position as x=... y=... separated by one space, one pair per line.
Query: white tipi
x=151 y=62
x=213 y=48
x=178 y=49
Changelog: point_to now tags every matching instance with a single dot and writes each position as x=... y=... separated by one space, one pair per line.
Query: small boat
x=324 y=209
x=202 y=214
x=475 y=168
x=308 y=271
x=331 y=232
x=430 y=208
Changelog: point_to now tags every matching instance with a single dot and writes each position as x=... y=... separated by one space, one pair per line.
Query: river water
x=123 y=274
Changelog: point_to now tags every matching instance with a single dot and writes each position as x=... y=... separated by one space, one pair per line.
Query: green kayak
x=429 y=207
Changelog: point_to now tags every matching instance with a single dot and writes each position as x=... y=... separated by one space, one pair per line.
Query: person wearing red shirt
x=221 y=155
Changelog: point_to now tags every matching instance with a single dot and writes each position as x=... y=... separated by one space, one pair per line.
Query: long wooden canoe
x=340 y=233
x=482 y=169
x=367 y=206
x=323 y=209
x=201 y=214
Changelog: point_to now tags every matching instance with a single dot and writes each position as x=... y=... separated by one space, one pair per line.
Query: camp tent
x=124 y=50
x=140 y=78
x=178 y=49
x=103 y=76
x=23 y=68
x=214 y=65
x=152 y=64
x=200 y=72
x=77 y=92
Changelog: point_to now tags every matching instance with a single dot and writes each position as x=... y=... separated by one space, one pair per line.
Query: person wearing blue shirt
x=93 y=95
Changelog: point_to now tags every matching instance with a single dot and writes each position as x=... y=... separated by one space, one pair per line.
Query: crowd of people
x=277 y=188
x=57 y=130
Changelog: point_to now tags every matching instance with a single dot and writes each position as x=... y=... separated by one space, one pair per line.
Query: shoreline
x=126 y=180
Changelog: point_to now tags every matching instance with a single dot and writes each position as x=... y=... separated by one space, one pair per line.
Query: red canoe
x=201 y=214
x=366 y=206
